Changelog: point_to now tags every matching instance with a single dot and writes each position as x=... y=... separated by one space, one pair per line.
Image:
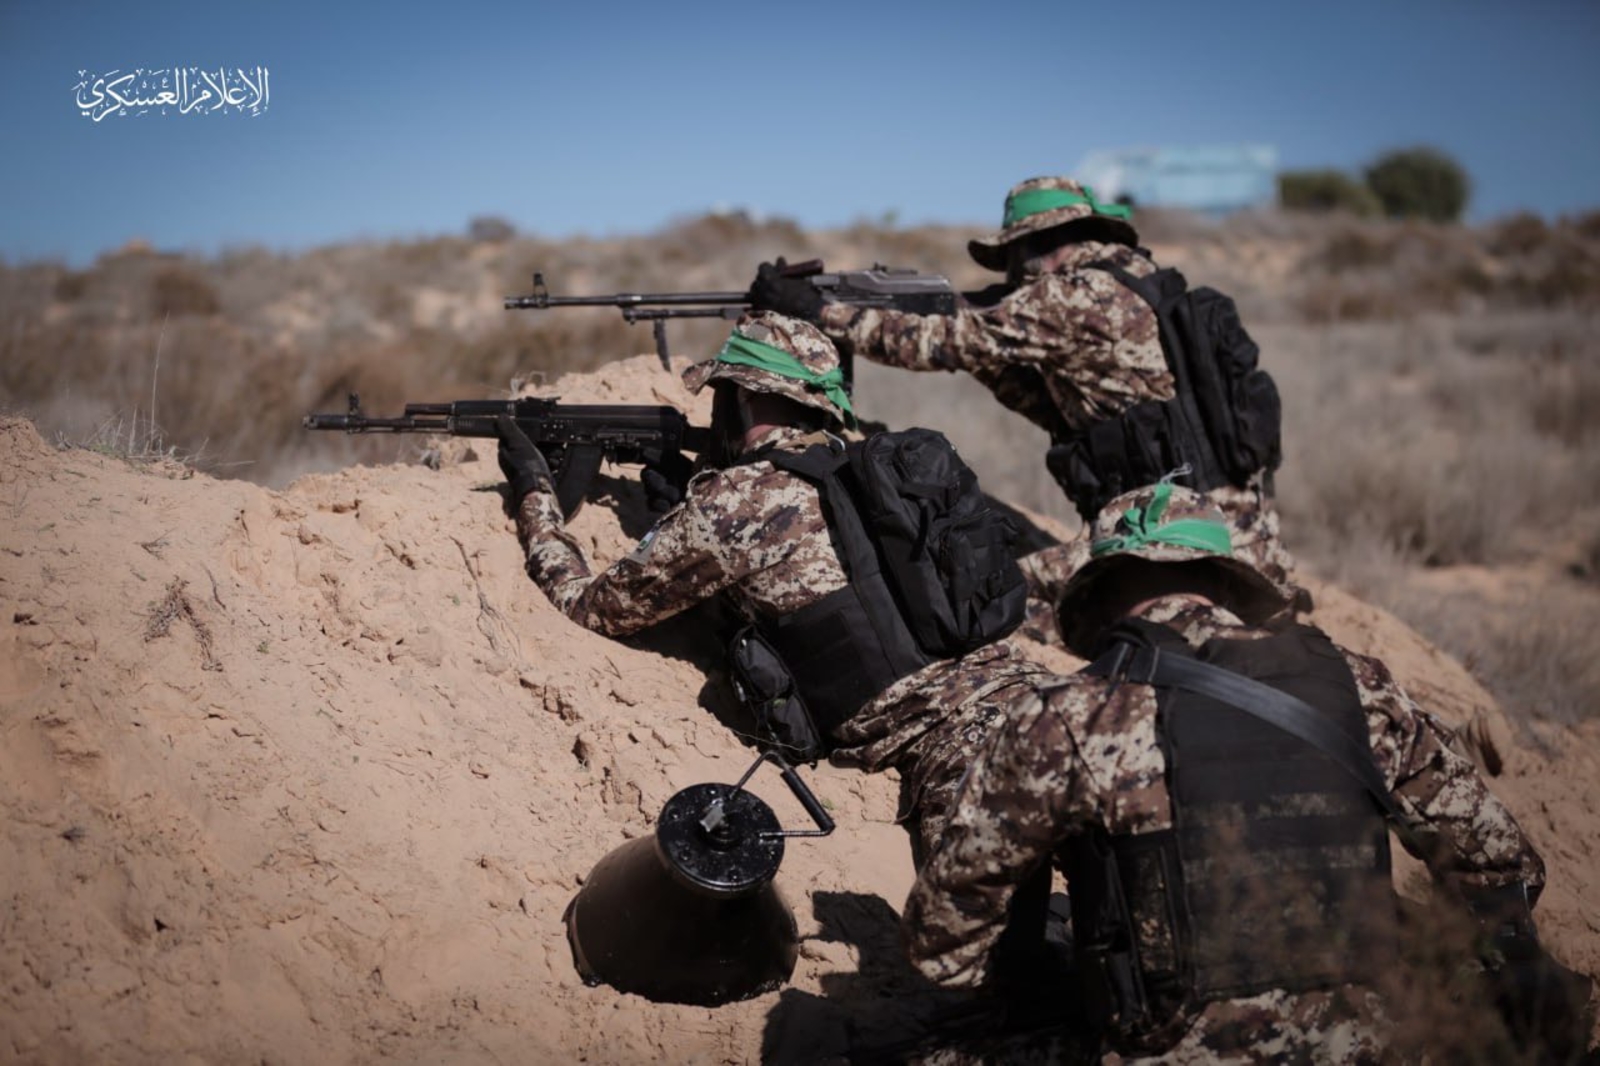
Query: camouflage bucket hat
x=1167 y=523
x=768 y=352
x=1039 y=204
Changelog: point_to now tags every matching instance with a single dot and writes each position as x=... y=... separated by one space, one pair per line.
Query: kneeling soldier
x=759 y=530
x=1217 y=789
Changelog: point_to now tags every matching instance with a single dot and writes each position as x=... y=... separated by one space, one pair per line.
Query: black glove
x=795 y=297
x=1546 y=1007
x=522 y=463
x=665 y=478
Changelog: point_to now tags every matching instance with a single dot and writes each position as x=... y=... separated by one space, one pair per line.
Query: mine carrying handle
x=802 y=792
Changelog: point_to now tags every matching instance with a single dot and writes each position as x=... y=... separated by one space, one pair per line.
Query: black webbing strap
x=1278 y=709
x=1199 y=450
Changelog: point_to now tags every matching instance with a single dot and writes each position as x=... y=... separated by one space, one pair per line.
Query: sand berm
x=311 y=775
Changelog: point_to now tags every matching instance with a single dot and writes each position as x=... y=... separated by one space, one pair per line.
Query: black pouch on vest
x=765 y=685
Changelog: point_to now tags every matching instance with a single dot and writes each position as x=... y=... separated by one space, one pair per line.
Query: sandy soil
x=310 y=776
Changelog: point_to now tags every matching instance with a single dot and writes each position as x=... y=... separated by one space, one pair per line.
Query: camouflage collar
x=1189 y=614
x=1082 y=253
x=789 y=438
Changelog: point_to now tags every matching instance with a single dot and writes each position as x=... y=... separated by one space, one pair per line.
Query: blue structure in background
x=1211 y=179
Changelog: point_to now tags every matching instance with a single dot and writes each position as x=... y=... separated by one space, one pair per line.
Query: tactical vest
x=1275 y=873
x=1222 y=422
x=930 y=566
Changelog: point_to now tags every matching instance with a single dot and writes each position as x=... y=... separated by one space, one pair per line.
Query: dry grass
x=1534 y=650
x=175 y=606
x=1441 y=382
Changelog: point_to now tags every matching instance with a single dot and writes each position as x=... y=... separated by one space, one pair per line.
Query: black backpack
x=1223 y=421
x=932 y=576
x=944 y=552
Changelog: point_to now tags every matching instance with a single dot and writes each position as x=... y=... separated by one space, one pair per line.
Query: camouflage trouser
x=930 y=728
x=1256 y=540
x=1345 y=1025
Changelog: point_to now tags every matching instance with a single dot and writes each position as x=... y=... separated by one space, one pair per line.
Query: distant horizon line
x=885 y=220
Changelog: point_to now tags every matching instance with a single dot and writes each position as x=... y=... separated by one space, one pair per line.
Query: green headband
x=1034 y=201
x=743 y=351
x=1144 y=524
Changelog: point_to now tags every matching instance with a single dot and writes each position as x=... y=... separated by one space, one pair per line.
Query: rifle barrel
x=364 y=424
x=656 y=314
x=624 y=299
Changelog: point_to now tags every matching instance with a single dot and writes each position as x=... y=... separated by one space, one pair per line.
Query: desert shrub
x=177 y=291
x=713 y=235
x=1447 y=286
x=1567 y=275
x=1587 y=565
x=1331 y=301
x=1171 y=225
x=1520 y=234
x=1586 y=225
x=1420 y=183
x=1435 y=502
x=1403 y=270
x=1562 y=400
x=1357 y=249
x=1326 y=190
x=1395 y=436
x=71 y=285
x=490 y=229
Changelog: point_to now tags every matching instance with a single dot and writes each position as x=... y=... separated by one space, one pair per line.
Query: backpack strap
x=820 y=465
x=1163 y=291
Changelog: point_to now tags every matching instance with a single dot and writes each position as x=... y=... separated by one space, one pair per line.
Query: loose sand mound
x=311 y=776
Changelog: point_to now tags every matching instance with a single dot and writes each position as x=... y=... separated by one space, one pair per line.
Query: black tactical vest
x=1222 y=422
x=1275 y=873
x=930 y=564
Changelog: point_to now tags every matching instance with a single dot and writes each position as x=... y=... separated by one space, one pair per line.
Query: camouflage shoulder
x=1043 y=287
x=1076 y=696
x=1372 y=676
x=739 y=487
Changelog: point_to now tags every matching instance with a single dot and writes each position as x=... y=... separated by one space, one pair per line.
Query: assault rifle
x=575 y=438
x=881 y=286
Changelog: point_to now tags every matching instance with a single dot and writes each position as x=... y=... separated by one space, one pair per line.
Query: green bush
x=1326 y=190
x=1420 y=183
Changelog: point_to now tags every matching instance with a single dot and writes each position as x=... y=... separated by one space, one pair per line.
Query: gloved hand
x=665 y=478
x=795 y=297
x=1547 y=1007
x=522 y=463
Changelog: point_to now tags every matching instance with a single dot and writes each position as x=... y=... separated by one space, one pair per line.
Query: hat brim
x=696 y=376
x=1074 y=223
x=703 y=373
x=1259 y=597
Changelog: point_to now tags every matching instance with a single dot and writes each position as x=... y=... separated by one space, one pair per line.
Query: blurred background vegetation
x=1441 y=382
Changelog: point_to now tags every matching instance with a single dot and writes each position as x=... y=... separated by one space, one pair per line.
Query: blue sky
x=407 y=119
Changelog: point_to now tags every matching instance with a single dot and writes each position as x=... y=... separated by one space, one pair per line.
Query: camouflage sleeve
x=731 y=525
x=678 y=564
x=1024 y=793
x=1470 y=832
x=1029 y=328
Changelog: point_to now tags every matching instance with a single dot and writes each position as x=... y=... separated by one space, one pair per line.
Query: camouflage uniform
x=1065 y=349
x=758 y=533
x=1083 y=752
